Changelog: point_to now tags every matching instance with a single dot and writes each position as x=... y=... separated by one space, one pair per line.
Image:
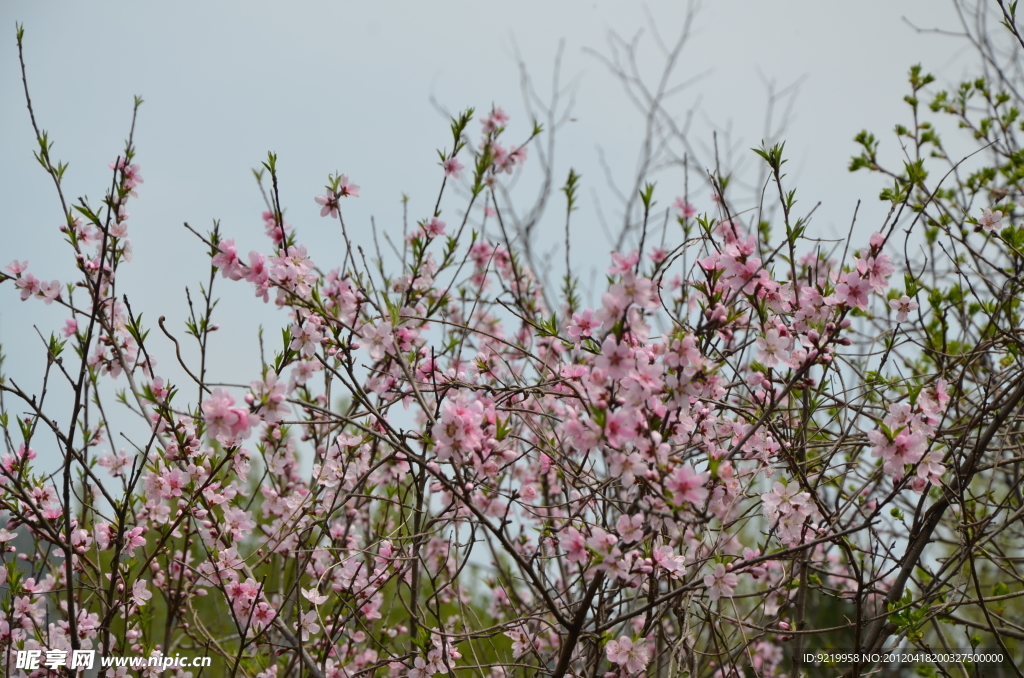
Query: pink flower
x=634 y=290
x=237 y=522
x=227 y=260
x=16 y=267
x=495 y=120
x=575 y=546
x=452 y=167
x=942 y=394
x=931 y=468
x=773 y=349
x=134 y=539
x=434 y=227
x=28 y=284
x=307 y=336
x=665 y=557
x=688 y=485
x=104 y=535
x=853 y=290
x=582 y=434
x=905 y=448
x=314 y=596
x=521 y=641
x=273 y=228
x=758 y=570
x=132 y=178
x=623 y=263
x=421 y=669
x=686 y=210
x=49 y=291
x=256 y=272
x=583 y=325
x=876 y=269
x=117 y=464
x=459 y=430
x=140 y=594
x=630 y=529
x=990 y=220
x=602 y=542
x=785 y=499
x=720 y=583
x=620 y=427
x=329 y=203
x=902 y=306
x=346 y=189
x=308 y=625
x=225 y=422
x=632 y=655
x=378 y=338
x=615 y=358
x=744 y=274
x=262 y=616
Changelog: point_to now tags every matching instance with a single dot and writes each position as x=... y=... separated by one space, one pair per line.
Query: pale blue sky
x=342 y=86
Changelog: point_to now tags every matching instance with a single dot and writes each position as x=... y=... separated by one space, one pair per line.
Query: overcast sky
x=342 y=86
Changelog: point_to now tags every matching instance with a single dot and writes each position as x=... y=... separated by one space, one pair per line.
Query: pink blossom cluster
x=451 y=456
